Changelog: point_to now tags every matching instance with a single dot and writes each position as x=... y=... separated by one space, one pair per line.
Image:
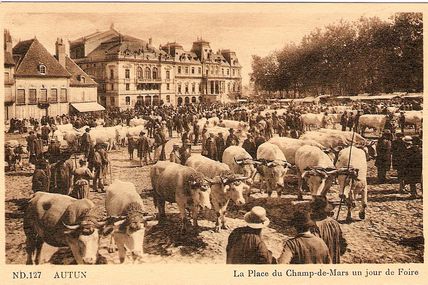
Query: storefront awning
x=87 y=107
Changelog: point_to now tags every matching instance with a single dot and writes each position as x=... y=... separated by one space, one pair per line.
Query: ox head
x=274 y=171
x=129 y=229
x=234 y=186
x=200 y=190
x=83 y=239
x=247 y=166
x=333 y=152
x=319 y=179
x=347 y=177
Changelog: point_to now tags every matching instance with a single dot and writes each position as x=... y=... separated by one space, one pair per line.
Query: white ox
x=316 y=168
x=311 y=119
x=183 y=185
x=412 y=118
x=137 y=122
x=101 y=135
x=213 y=121
x=376 y=122
x=239 y=161
x=352 y=178
x=125 y=208
x=236 y=125
x=273 y=166
x=289 y=146
x=224 y=186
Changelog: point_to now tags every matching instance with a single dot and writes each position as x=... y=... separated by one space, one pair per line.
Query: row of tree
x=346 y=58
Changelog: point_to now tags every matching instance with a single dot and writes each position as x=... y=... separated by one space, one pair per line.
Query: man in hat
x=211 y=147
x=62 y=175
x=398 y=149
x=175 y=154
x=143 y=148
x=221 y=146
x=54 y=151
x=232 y=139
x=250 y=146
x=305 y=247
x=82 y=176
x=41 y=176
x=31 y=147
x=185 y=152
x=327 y=228
x=86 y=142
x=45 y=130
x=412 y=173
x=245 y=244
x=160 y=142
x=383 y=158
x=402 y=121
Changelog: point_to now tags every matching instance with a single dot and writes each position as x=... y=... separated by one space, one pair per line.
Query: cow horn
x=305 y=173
x=71 y=227
x=238 y=161
x=330 y=171
x=210 y=181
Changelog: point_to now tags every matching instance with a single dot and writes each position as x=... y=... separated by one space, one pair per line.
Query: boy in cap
x=305 y=247
x=327 y=228
x=245 y=244
x=175 y=154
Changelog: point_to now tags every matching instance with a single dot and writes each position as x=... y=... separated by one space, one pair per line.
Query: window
x=227 y=71
x=42 y=69
x=155 y=73
x=193 y=70
x=111 y=74
x=186 y=88
x=179 y=87
x=193 y=88
x=112 y=87
x=53 y=96
x=63 y=95
x=112 y=101
x=168 y=99
x=199 y=70
x=20 y=96
x=139 y=73
x=147 y=73
x=233 y=72
x=32 y=96
x=179 y=70
x=127 y=86
x=200 y=88
x=127 y=74
x=167 y=86
x=222 y=71
x=43 y=95
x=186 y=70
x=228 y=87
x=167 y=74
x=83 y=79
x=127 y=100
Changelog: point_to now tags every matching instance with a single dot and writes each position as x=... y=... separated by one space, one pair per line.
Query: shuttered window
x=53 y=96
x=63 y=96
x=32 y=96
x=43 y=95
x=20 y=96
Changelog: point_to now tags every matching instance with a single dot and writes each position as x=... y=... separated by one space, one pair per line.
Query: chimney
x=7 y=42
x=60 y=51
x=150 y=41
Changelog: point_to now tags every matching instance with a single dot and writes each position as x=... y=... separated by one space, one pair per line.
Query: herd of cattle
x=316 y=159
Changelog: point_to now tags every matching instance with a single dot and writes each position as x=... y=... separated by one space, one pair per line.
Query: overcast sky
x=245 y=28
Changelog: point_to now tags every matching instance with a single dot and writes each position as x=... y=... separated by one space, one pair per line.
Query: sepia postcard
x=212 y=143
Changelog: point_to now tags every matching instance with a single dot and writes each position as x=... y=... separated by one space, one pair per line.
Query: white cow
x=103 y=136
x=137 y=122
x=412 y=118
x=289 y=146
x=376 y=122
x=224 y=185
x=352 y=178
x=239 y=161
x=125 y=208
x=213 y=121
x=273 y=166
x=311 y=119
x=316 y=168
x=236 y=125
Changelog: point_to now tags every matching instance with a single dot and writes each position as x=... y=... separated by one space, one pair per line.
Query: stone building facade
x=132 y=71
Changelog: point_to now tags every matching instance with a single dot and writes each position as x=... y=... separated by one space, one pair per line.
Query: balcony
x=148 y=80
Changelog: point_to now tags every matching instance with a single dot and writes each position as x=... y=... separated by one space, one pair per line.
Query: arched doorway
x=155 y=100
x=179 y=101
x=148 y=100
x=193 y=99
x=187 y=100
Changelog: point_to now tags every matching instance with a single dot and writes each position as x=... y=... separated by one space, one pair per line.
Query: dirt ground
x=391 y=233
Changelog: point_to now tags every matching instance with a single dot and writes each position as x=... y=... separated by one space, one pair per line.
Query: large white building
x=38 y=83
x=132 y=71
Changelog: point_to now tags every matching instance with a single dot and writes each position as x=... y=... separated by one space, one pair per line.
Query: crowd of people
x=318 y=237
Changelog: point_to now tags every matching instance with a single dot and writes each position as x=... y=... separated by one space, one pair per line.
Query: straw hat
x=256 y=218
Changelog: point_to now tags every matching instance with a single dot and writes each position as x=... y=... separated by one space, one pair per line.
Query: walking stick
x=111 y=177
x=349 y=162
